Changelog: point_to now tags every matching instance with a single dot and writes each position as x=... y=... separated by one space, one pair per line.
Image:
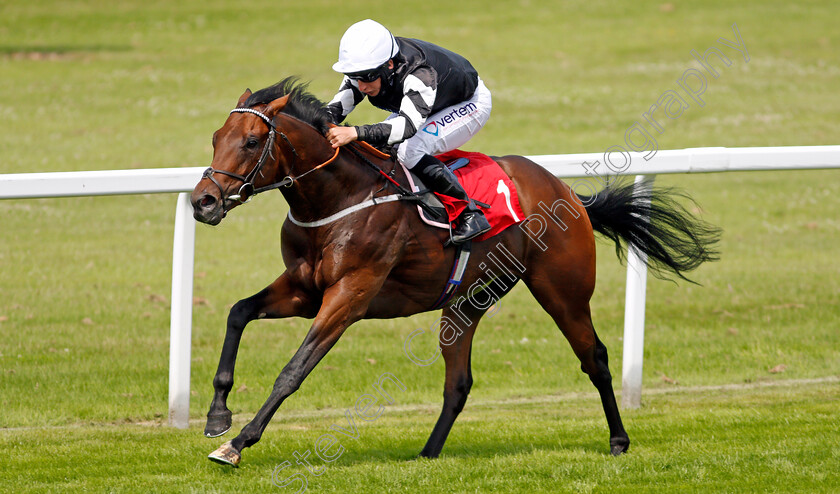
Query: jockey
x=437 y=101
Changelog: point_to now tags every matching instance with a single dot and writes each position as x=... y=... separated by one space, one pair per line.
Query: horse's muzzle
x=207 y=208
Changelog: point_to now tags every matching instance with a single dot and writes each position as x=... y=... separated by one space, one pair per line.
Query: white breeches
x=448 y=129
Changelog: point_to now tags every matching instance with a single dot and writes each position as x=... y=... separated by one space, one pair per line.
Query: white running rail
x=183 y=180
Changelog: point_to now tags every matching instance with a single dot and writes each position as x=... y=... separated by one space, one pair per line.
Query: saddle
x=484 y=181
x=435 y=210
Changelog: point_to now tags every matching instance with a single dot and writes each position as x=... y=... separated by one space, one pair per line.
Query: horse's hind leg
x=280 y=299
x=602 y=379
x=568 y=305
x=456 y=347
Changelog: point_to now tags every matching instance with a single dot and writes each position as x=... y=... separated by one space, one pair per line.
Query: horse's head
x=244 y=159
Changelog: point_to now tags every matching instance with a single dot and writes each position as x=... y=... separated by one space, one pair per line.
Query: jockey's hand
x=339 y=136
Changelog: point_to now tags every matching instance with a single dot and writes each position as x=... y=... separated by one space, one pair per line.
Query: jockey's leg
x=462 y=122
x=471 y=222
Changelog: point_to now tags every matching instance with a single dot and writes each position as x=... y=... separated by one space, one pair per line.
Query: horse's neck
x=343 y=183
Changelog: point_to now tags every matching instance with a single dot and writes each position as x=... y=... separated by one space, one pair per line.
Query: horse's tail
x=654 y=223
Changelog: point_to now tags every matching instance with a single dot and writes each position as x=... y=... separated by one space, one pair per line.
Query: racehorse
x=383 y=262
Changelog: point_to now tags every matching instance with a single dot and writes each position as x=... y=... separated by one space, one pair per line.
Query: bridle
x=247 y=189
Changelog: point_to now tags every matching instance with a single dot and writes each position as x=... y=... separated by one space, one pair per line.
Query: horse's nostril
x=207 y=201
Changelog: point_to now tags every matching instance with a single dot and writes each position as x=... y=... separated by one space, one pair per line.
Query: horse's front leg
x=283 y=298
x=343 y=304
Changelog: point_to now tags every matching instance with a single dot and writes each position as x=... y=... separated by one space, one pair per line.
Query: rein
x=247 y=188
x=405 y=194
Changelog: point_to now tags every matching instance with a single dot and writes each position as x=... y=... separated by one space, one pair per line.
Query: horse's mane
x=302 y=104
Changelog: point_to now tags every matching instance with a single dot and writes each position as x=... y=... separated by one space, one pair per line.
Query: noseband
x=247 y=189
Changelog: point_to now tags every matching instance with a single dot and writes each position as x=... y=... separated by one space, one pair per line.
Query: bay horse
x=383 y=262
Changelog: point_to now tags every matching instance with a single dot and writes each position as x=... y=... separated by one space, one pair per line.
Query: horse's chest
x=340 y=259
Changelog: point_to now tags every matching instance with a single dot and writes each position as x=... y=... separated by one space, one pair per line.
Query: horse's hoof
x=218 y=424
x=427 y=454
x=619 y=445
x=226 y=455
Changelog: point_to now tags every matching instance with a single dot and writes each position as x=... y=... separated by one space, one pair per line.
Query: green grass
x=757 y=439
x=84 y=312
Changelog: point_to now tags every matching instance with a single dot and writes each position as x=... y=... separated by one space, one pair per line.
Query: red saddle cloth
x=485 y=181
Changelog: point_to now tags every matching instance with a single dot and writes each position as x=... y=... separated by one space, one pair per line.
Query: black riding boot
x=471 y=222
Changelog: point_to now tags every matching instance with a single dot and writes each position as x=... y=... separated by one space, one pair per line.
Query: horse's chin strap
x=247 y=189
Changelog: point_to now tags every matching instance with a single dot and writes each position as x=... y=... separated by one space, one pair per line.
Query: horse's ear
x=275 y=106
x=243 y=98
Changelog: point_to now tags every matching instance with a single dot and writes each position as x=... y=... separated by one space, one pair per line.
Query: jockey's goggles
x=368 y=76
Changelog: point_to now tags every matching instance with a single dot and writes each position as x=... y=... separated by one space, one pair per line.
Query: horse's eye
x=251 y=143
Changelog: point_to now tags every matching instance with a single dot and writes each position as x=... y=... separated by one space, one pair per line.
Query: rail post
x=634 y=317
x=180 y=328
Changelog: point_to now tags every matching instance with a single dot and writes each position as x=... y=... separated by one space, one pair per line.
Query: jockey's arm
x=345 y=100
x=419 y=93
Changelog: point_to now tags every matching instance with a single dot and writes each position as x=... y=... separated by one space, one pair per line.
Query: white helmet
x=366 y=45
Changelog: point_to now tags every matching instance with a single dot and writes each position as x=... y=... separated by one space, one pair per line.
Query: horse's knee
x=289 y=380
x=238 y=315
x=241 y=314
